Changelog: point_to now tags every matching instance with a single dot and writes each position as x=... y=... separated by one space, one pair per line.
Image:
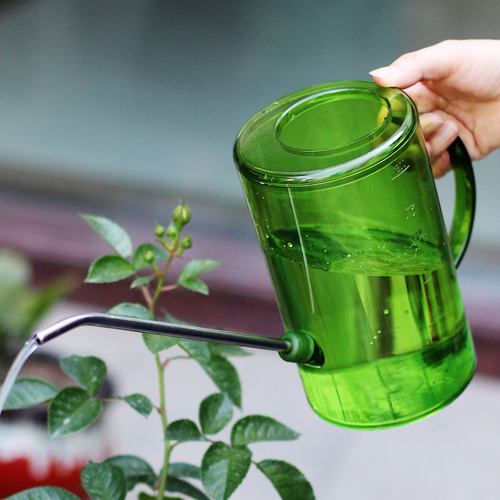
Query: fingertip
x=441 y=165
x=386 y=76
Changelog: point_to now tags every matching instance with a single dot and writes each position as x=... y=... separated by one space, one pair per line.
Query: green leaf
x=225 y=377
x=138 y=260
x=184 y=470
x=218 y=368
x=140 y=403
x=145 y=496
x=288 y=481
x=223 y=468
x=158 y=343
x=28 y=392
x=228 y=350
x=176 y=485
x=136 y=470
x=104 y=481
x=193 y=269
x=44 y=493
x=112 y=233
x=132 y=310
x=255 y=428
x=197 y=267
x=143 y=280
x=71 y=411
x=197 y=350
x=216 y=411
x=109 y=269
x=195 y=286
x=89 y=372
x=183 y=430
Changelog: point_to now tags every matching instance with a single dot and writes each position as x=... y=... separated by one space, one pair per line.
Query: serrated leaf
x=109 y=269
x=288 y=481
x=143 y=280
x=225 y=377
x=183 y=430
x=140 y=403
x=44 y=493
x=176 y=485
x=197 y=267
x=72 y=410
x=138 y=260
x=255 y=428
x=228 y=350
x=117 y=238
x=158 y=343
x=195 y=286
x=104 y=481
x=28 y=392
x=145 y=496
x=223 y=468
x=136 y=470
x=218 y=368
x=89 y=372
x=132 y=310
x=215 y=412
x=184 y=470
x=197 y=350
x=193 y=269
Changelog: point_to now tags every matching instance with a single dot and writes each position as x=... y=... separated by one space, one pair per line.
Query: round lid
x=328 y=131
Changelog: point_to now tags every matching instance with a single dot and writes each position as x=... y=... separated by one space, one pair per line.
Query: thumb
x=432 y=63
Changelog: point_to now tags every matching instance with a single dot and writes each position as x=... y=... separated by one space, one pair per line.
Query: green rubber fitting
x=302 y=348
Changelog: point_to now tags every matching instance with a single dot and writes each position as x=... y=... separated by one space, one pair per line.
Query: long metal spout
x=292 y=347
x=159 y=328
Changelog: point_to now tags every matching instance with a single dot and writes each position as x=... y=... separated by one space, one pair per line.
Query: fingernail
x=385 y=72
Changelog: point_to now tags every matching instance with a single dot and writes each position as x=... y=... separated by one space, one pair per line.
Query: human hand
x=456 y=87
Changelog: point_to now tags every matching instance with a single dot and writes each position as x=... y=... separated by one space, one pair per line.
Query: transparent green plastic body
x=344 y=203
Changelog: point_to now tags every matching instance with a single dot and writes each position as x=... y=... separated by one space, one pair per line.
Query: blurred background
x=124 y=107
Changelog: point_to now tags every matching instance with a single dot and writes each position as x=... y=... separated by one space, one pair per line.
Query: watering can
x=343 y=200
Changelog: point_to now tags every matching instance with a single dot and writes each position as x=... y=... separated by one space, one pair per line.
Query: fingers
x=432 y=63
x=441 y=165
x=439 y=134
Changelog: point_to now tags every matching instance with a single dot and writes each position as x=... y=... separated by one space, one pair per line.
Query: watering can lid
x=322 y=132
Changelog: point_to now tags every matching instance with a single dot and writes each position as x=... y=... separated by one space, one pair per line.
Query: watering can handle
x=465 y=200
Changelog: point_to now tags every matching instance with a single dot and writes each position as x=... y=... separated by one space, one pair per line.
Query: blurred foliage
x=22 y=305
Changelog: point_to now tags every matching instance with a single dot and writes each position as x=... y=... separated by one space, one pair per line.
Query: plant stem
x=167 y=446
x=151 y=300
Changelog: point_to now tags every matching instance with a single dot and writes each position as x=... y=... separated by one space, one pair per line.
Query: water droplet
x=290 y=245
x=386 y=311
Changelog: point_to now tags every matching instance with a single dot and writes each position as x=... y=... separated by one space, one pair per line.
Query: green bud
x=181 y=215
x=172 y=231
x=159 y=230
x=186 y=242
x=149 y=256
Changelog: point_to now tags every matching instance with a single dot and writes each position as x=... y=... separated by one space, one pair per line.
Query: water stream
x=28 y=349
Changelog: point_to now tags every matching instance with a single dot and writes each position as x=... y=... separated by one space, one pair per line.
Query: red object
x=17 y=475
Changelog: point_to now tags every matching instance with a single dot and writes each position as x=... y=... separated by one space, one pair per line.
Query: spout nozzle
x=303 y=349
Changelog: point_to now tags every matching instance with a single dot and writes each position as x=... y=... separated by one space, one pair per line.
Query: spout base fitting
x=303 y=349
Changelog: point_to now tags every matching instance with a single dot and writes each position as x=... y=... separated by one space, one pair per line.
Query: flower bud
x=159 y=230
x=186 y=242
x=181 y=215
x=172 y=231
x=149 y=256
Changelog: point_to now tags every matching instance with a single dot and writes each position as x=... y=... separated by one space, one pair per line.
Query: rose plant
x=224 y=465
